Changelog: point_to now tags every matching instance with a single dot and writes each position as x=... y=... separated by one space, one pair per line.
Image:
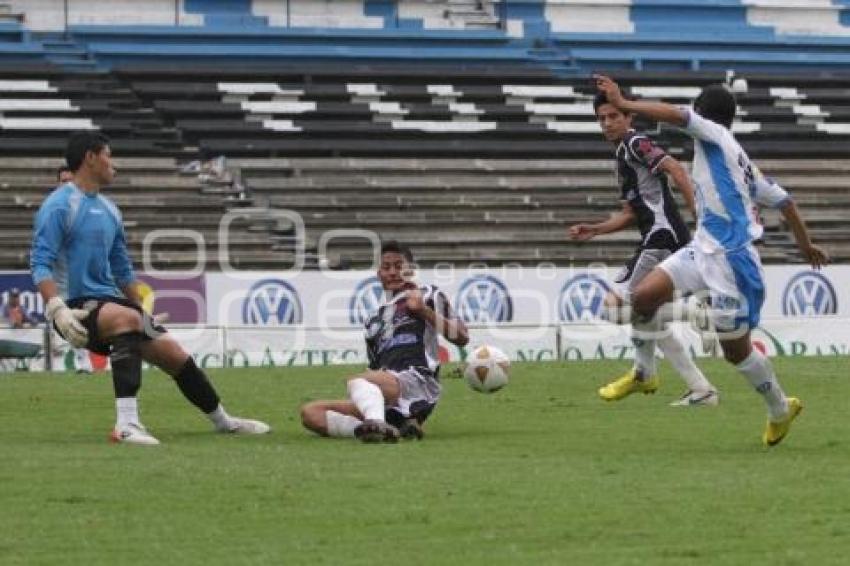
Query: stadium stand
x=484 y=140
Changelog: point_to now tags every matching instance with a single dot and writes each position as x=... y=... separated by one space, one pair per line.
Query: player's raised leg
x=165 y=353
x=371 y=392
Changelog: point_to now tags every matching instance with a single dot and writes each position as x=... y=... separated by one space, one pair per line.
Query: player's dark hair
x=393 y=247
x=716 y=103
x=601 y=98
x=80 y=143
x=63 y=169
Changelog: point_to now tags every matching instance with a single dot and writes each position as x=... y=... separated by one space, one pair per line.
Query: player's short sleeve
x=646 y=152
x=703 y=129
x=767 y=192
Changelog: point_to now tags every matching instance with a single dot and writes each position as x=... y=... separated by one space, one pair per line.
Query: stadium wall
x=315 y=318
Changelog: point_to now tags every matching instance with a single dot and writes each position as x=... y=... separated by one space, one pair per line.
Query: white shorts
x=733 y=280
x=420 y=389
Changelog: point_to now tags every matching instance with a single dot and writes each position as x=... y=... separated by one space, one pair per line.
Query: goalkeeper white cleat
x=238 y=425
x=133 y=433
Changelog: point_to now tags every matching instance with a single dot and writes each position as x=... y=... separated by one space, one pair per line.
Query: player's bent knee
x=736 y=351
x=313 y=417
x=120 y=320
x=645 y=301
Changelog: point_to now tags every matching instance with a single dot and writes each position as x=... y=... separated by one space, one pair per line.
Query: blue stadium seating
x=127 y=44
x=657 y=35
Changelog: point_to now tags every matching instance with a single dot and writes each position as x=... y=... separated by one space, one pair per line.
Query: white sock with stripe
x=759 y=372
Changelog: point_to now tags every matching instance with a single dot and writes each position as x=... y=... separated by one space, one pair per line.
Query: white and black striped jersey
x=645 y=188
x=396 y=340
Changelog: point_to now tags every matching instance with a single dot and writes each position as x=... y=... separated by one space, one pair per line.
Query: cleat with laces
x=376 y=431
x=690 y=398
x=133 y=433
x=628 y=384
x=774 y=432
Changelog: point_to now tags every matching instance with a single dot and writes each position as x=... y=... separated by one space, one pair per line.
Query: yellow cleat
x=627 y=385
x=774 y=432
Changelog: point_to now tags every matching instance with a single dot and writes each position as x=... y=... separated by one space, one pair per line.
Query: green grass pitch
x=542 y=472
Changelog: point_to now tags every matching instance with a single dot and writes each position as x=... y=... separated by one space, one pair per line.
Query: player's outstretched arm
x=658 y=111
x=618 y=221
x=813 y=254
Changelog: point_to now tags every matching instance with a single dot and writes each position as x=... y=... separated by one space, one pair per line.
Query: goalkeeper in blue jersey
x=80 y=263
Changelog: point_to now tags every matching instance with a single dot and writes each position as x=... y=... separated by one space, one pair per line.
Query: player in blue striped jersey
x=80 y=263
x=722 y=261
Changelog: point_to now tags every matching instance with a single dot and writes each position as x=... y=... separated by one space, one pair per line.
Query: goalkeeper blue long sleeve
x=79 y=242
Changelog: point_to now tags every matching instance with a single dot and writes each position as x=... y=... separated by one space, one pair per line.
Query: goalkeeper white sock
x=341 y=426
x=678 y=356
x=368 y=398
x=127 y=412
x=759 y=372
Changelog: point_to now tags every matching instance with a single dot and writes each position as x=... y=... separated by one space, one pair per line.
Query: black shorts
x=658 y=247
x=150 y=329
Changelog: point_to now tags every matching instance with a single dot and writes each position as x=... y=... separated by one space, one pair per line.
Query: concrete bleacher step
x=349 y=165
x=9 y=14
x=417 y=183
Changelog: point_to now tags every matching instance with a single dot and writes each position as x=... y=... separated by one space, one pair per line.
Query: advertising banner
x=181 y=297
x=294 y=346
x=534 y=296
x=30 y=298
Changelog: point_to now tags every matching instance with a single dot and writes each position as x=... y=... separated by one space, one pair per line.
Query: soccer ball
x=487 y=369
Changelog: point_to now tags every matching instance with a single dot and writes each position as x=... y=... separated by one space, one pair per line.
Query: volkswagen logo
x=582 y=298
x=809 y=294
x=271 y=302
x=367 y=297
x=484 y=298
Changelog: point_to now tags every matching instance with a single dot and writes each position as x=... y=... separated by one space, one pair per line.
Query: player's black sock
x=195 y=386
x=126 y=358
